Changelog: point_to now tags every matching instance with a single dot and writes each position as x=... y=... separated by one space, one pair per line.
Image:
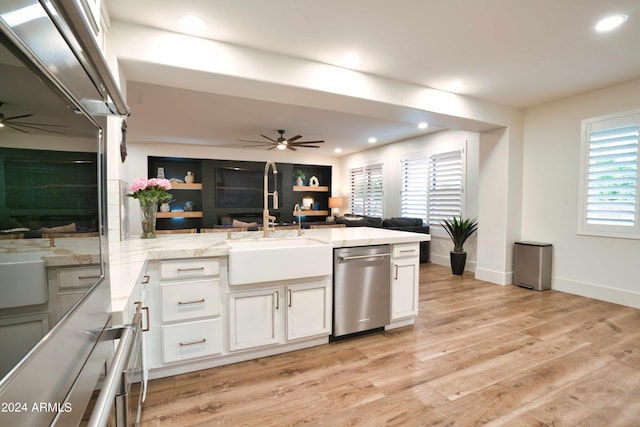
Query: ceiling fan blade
x=290 y=140
x=307 y=142
x=38 y=124
x=291 y=147
x=15 y=126
x=256 y=142
x=270 y=139
x=18 y=117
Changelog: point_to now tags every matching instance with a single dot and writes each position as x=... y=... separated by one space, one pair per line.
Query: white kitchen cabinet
x=262 y=316
x=254 y=318
x=184 y=299
x=67 y=285
x=308 y=310
x=405 y=269
x=18 y=334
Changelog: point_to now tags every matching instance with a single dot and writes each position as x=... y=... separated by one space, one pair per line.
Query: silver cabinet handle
x=191 y=302
x=146 y=280
x=186 y=344
x=402 y=251
x=191 y=269
x=349 y=258
x=277 y=300
x=290 y=298
x=396 y=266
x=88 y=277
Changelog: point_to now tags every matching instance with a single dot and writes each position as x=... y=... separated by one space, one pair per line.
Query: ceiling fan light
x=282 y=146
x=1 y=125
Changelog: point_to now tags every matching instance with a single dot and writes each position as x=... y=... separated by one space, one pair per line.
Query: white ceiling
x=518 y=53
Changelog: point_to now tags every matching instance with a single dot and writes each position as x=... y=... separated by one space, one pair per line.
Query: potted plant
x=299 y=176
x=459 y=230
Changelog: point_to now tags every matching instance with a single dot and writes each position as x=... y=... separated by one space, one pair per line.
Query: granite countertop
x=128 y=258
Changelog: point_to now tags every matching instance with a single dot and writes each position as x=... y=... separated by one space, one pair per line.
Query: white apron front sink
x=271 y=259
x=23 y=280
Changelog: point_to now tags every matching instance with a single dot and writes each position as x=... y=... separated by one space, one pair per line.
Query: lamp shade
x=336 y=202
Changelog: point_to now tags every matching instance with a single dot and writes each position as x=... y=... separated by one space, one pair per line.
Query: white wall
x=392 y=154
x=598 y=267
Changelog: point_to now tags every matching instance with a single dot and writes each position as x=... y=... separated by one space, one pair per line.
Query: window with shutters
x=432 y=186
x=609 y=198
x=366 y=190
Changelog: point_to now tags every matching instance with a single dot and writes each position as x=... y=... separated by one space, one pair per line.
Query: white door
x=404 y=288
x=254 y=318
x=308 y=310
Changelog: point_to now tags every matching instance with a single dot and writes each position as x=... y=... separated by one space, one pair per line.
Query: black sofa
x=414 y=225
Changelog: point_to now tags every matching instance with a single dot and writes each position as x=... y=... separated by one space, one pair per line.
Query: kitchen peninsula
x=199 y=318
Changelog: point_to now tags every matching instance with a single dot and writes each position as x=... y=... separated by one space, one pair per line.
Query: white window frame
x=372 y=202
x=587 y=223
x=436 y=227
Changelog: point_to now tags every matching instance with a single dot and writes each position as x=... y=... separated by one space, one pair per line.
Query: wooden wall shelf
x=183 y=186
x=319 y=189
x=310 y=213
x=191 y=214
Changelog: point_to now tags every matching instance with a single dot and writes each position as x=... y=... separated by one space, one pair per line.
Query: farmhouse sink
x=271 y=259
x=24 y=279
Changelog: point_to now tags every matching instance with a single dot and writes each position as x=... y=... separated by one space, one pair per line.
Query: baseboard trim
x=595 y=291
x=493 y=276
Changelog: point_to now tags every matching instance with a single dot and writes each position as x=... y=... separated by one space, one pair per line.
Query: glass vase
x=148 y=209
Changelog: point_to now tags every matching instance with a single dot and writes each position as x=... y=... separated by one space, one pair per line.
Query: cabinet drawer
x=190 y=300
x=190 y=340
x=78 y=277
x=405 y=250
x=189 y=268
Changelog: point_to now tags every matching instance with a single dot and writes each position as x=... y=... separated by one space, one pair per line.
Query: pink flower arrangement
x=150 y=189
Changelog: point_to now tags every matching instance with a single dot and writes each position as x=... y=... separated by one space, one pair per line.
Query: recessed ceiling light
x=338 y=150
x=372 y=140
x=192 y=23
x=351 y=60
x=610 y=23
x=423 y=125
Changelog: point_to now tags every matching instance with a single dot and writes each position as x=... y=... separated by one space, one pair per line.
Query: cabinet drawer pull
x=277 y=294
x=88 y=277
x=190 y=269
x=402 y=251
x=396 y=266
x=186 y=344
x=290 y=298
x=146 y=280
x=191 y=302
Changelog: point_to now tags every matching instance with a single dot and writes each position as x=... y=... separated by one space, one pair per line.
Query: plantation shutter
x=414 y=181
x=366 y=186
x=612 y=181
x=445 y=186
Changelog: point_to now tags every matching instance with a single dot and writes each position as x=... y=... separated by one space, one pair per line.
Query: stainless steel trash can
x=532 y=265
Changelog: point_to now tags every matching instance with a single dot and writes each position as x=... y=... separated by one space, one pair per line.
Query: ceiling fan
x=283 y=143
x=14 y=123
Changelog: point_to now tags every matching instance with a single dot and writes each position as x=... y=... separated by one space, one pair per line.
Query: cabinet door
x=404 y=288
x=308 y=310
x=254 y=318
x=18 y=335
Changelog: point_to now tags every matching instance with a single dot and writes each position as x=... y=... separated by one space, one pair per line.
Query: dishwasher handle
x=352 y=257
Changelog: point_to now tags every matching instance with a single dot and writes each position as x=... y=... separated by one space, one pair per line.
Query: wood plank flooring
x=479 y=354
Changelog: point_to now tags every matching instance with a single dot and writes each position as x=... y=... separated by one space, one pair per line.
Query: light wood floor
x=479 y=354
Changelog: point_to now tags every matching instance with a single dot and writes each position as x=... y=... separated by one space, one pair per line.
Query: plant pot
x=458 y=261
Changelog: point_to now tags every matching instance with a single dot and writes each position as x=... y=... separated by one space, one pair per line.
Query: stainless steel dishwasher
x=361 y=289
